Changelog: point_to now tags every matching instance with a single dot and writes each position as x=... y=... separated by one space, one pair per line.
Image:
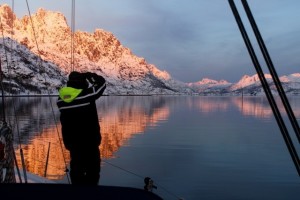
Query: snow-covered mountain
x=48 y=35
x=247 y=85
x=210 y=87
x=250 y=85
x=37 y=59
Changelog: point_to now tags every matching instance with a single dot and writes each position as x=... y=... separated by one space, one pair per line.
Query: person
x=80 y=125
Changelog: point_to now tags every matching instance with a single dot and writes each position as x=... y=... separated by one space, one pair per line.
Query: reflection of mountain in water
x=35 y=154
x=260 y=107
x=120 y=119
x=210 y=104
x=31 y=113
x=34 y=132
x=123 y=117
x=249 y=106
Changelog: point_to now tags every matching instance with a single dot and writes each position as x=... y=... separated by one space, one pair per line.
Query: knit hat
x=77 y=80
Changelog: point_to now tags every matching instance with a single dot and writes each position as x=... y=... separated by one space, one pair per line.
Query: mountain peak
x=51 y=19
x=208 y=81
x=100 y=52
x=7 y=17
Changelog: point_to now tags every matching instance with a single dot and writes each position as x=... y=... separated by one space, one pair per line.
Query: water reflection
x=121 y=118
x=36 y=151
x=208 y=104
x=38 y=127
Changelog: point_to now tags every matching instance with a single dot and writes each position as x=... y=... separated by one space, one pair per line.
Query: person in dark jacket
x=80 y=125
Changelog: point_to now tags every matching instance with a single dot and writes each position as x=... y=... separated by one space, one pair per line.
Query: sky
x=190 y=39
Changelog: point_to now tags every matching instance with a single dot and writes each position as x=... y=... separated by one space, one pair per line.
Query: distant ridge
x=247 y=85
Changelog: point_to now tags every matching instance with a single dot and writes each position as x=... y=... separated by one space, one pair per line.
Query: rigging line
x=58 y=133
x=35 y=38
x=14 y=107
x=2 y=78
x=44 y=76
x=60 y=140
x=272 y=70
x=2 y=91
x=172 y=194
x=17 y=167
x=2 y=73
x=11 y=52
x=72 y=35
x=13 y=102
x=123 y=169
x=11 y=44
x=266 y=88
x=10 y=80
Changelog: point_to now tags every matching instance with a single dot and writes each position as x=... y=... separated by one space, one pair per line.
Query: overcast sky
x=190 y=39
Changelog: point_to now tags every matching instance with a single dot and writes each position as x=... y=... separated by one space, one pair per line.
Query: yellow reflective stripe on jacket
x=68 y=94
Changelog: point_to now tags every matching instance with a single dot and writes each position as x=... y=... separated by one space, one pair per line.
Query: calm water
x=192 y=147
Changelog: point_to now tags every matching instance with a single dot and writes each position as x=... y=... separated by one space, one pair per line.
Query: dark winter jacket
x=79 y=118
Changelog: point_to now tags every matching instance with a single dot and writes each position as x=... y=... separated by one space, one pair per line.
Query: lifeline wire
x=141 y=178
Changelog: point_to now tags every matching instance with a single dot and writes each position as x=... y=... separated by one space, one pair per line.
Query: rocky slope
x=48 y=35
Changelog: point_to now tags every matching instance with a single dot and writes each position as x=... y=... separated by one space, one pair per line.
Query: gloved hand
x=94 y=78
x=89 y=77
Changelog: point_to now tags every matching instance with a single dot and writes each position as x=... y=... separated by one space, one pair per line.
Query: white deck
x=32 y=178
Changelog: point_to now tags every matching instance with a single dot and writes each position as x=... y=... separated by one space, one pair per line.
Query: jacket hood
x=68 y=94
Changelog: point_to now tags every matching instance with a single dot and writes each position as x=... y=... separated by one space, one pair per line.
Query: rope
x=139 y=176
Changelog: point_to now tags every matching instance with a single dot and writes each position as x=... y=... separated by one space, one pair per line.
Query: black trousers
x=85 y=165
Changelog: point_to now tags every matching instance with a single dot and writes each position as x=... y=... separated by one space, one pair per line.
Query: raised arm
x=98 y=84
